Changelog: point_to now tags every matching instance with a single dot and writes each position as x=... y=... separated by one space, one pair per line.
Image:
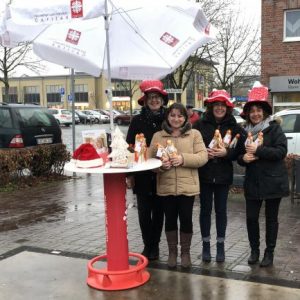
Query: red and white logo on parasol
x=73 y=36
x=169 y=39
x=76 y=8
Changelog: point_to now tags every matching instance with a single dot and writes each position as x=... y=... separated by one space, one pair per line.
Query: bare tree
x=13 y=58
x=237 y=50
x=181 y=77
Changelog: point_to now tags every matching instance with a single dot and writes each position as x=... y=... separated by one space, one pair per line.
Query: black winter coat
x=148 y=124
x=267 y=178
x=219 y=170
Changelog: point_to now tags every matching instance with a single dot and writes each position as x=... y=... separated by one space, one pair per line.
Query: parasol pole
x=109 y=89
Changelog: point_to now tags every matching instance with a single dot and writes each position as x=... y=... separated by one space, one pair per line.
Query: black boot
x=253 y=236
x=220 y=252
x=254 y=257
x=154 y=253
x=206 y=256
x=267 y=260
x=271 y=238
x=146 y=251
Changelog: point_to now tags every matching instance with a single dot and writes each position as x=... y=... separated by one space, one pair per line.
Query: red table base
x=118 y=280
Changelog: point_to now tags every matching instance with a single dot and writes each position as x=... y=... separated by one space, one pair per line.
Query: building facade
x=280 y=51
x=55 y=91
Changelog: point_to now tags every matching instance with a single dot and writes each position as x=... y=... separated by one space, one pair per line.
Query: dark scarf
x=153 y=119
x=165 y=126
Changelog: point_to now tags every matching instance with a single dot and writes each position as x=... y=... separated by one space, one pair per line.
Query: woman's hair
x=209 y=109
x=247 y=114
x=182 y=110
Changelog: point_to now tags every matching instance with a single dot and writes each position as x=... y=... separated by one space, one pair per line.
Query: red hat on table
x=258 y=95
x=219 y=96
x=86 y=156
x=152 y=86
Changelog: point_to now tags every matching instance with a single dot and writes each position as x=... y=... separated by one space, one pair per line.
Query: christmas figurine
x=216 y=142
x=171 y=149
x=249 y=139
x=119 y=153
x=227 y=138
x=260 y=139
x=161 y=152
x=234 y=141
x=140 y=148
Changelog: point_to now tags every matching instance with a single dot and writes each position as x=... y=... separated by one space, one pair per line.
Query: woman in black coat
x=266 y=175
x=217 y=175
x=150 y=210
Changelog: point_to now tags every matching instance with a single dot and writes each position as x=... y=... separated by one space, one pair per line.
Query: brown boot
x=185 y=242
x=172 y=238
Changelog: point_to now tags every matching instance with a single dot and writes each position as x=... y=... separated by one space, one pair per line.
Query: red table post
x=116 y=225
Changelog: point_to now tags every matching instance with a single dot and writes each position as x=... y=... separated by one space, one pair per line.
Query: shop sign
x=285 y=84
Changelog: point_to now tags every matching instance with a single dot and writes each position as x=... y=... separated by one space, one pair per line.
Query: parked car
x=290 y=124
x=24 y=125
x=83 y=118
x=103 y=116
x=95 y=116
x=125 y=118
x=62 y=116
x=76 y=117
x=237 y=114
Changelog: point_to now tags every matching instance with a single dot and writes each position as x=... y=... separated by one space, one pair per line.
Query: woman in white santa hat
x=266 y=177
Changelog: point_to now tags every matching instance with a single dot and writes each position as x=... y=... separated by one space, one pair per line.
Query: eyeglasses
x=154 y=97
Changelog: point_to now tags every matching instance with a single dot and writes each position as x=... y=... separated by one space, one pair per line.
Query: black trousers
x=271 y=214
x=151 y=218
x=178 y=207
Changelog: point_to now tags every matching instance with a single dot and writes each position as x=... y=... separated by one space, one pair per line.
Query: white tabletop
x=150 y=164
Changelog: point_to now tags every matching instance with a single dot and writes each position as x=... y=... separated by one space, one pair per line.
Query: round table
x=119 y=274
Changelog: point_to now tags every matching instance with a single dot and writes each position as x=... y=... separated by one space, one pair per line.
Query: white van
x=291 y=127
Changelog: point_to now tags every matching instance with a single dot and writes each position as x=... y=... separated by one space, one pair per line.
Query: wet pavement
x=59 y=220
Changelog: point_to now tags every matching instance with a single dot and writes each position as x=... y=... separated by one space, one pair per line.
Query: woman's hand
x=210 y=153
x=248 y=158
x=219 y=152
x=251 y=148
x=166 y=164
x=176 y=161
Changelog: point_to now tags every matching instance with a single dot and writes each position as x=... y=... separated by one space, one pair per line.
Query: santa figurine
x=171 y=149
x=217 y=141
x=227 y=138
x=234 y=141
x=140 y=148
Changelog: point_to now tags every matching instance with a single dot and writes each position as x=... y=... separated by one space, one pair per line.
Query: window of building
x=12 y=96
x=53 y=93
x=121 y=88
x=81 y=93
x=31 y=94
x=291 y=25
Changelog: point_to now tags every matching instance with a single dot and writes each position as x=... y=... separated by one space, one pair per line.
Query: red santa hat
x=152 y=86
x=86 y=156
x=219 y=96
x=258 y=95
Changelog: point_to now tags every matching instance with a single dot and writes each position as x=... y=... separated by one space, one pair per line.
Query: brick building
x=280 y=51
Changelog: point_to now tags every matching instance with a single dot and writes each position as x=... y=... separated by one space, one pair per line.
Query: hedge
x=42 y=160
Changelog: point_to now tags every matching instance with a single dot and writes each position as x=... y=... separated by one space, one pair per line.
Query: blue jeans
x=217 y=193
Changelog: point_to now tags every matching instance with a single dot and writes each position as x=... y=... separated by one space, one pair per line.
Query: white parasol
x=136 y=39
